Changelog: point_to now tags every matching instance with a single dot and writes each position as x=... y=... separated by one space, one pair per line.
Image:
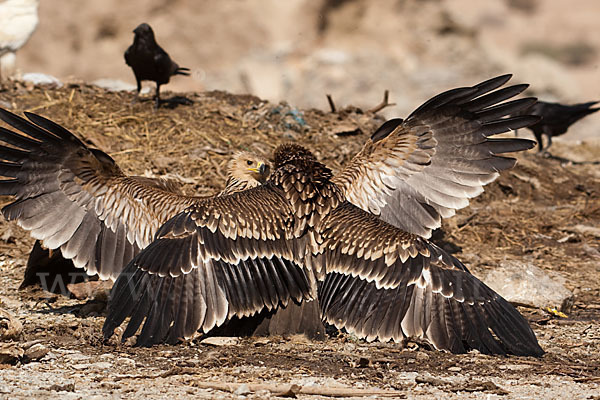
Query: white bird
x=18 y=20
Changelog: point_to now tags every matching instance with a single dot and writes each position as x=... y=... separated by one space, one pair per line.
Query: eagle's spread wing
x=222 y=257
x=384 y=283
x=76 y=198
x=414 y=172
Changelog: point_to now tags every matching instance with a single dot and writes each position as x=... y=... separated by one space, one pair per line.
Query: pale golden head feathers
x=247 y=166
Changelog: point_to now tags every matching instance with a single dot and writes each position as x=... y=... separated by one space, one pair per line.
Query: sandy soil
x=528 y=215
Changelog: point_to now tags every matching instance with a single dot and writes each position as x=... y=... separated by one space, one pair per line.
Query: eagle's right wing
x=77 y=198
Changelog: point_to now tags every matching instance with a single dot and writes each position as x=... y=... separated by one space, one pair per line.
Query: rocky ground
x=544 y=213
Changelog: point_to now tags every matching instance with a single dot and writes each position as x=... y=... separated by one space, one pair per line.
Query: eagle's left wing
x=414 y=172
x=222 y=257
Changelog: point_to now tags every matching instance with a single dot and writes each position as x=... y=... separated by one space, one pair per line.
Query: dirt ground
x=544 y=211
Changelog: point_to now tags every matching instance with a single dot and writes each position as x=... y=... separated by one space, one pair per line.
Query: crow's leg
x=157 y=97
x=538 y=137
x=549 y=142
x=137 y=93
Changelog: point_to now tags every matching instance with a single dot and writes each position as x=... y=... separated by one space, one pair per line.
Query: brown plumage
x=240 y=254
x=78 y=200
x=414 y=172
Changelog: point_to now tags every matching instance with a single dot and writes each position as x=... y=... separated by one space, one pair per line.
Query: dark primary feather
x=149 y=61
x=557 y=118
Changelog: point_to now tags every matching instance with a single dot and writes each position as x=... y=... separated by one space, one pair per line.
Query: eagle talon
x=554 y=312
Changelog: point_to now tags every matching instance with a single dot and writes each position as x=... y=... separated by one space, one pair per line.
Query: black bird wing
x=128 y=56
x=414 y=172
x=165 y=67
x=384 y=283
x=77 y=198
x=226 y=256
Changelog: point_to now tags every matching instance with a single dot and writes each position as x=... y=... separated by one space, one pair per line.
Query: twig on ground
x=331 y=103
x=291 y=390
x=383 y=104
x=277 y=389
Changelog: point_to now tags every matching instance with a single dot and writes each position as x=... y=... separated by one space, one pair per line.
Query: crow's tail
x=182 y=71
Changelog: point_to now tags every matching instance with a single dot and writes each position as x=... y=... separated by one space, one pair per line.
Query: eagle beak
x=261 y=167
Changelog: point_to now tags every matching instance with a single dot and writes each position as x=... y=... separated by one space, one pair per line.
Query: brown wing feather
x=384 y=283
x=222 y=257
x=76 y=198
x=414 y=172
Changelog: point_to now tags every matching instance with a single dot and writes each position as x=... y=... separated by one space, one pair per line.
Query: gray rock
x=38 y=78
x=116 y=85
x=78 y=357
x=125 y=362
x=242 y=390
x=81 y=367
x=524 y=283
x=10 y=353
x=102 y=365
x=69 y=387
x=221 y=341
x=36 y=352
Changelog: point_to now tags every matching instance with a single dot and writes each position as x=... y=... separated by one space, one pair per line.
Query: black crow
x=556 y=118
x=149 y=61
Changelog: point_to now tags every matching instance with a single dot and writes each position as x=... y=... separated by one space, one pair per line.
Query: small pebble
x=221 y=341
x=36 y=352
x=242 y=389
x=81 y=366
x=102 y=365
x=78 y=357
x=125 y=362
